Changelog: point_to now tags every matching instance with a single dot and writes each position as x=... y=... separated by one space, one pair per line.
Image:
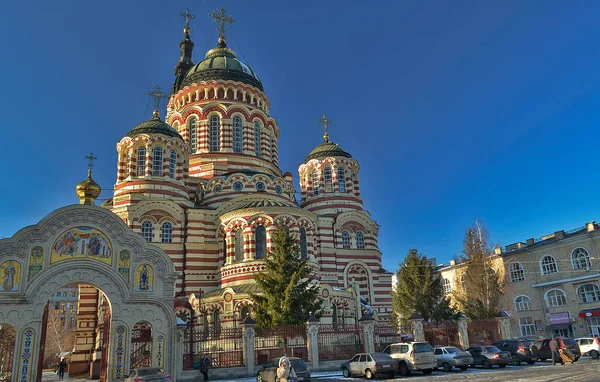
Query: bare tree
x=7 y=350
x=60 y=335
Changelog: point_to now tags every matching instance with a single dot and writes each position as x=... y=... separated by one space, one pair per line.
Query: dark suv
x=541 y=348
x=519 y=351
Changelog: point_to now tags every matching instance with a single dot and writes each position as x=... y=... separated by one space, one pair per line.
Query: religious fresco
x=36 y=261
x=124 y=263
x=11 y=276
x=82 y=242
x=144 y=278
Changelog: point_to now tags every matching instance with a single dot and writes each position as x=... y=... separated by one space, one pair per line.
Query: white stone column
x=504 y=324
x=416 y=323
x=367 y=324
x=248 y=326
x=312 y=331
x=463 y=334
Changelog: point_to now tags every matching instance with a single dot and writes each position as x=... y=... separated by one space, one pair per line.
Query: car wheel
x=515 y=361
x=446 y=366
x=594 y=354
x=404 y=370
x=465 y=367
x=369 y=374
x=427 y=371
x=502 y=366
x=486 y=364
x=346 y=373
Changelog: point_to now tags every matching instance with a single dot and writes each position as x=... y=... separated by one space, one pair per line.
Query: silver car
x=448 y=357
x=148 y=374
x=370 y=365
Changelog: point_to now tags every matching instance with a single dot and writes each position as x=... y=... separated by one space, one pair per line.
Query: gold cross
x=187 y=16
x=157 y=96
x=326 y=123
x=220 y=18
x=91 y=158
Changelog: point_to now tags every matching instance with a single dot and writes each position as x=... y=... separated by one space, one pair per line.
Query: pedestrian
x=554 y=349
x=285 y=371
x=204 y=364
x=62 y=365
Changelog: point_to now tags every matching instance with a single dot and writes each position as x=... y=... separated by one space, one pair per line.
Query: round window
x=278 y=189
x=260 y=186
x=238 y=186
x=218 y=188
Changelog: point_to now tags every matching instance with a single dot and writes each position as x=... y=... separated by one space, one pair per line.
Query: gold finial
x=88 y=190
x=91 y=158
x=157 y=96
x=326 y=123
x=221 y=18
x=187 y=16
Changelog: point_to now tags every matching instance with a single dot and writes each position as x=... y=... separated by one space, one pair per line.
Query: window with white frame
x=463 y=283
x=548 y=265
x=214 y=133
x=237 y=135
x=327 y=180
x=193 y=134
x=239 y=245
x=593 y=324
x=157 y=161
x=346 y=239
x=447 y=288
x=141 y=162
x=127 y=164
x=556 y=297
x=315 y=182
x=527 y=326
x=167 y=232
x=581 y=259
x=360 y=240
x=522 y=303
x=341 y=178
x=172 y=164
x=257 y=138
x=516 y=272
x=147 y=230
x=588 y=293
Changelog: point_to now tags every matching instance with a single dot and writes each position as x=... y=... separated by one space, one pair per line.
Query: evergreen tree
x=419 y=289
x=287 y=296
x=480 y=297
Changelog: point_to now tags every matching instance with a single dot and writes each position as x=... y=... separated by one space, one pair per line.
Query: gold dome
x=88 y=190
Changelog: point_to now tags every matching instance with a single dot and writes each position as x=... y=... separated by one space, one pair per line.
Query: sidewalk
x=48 y=376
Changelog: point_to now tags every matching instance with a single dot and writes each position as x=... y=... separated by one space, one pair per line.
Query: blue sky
x=456 y=110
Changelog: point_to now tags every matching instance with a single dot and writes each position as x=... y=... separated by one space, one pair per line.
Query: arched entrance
x=88 y=245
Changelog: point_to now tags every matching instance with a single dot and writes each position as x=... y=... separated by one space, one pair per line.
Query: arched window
x=224 y=259
x=463 y=283
x=172 y=164
x=261 y=241
x=516 y=272
x=588 y=293
x=360 y=240
x=214 y=133
x=237 y=135
x=548 y=265
x=239 y=245
x=257 y=138
x=328 y=182
x=346 y=239
x=167 y=232
x=244 y=313
x=315 y=182
x=127 y=164
x=447 y=288
x=147 y=230
x=581 y=259
x=217 y=322
x=334 y=316
x=556 y=297
x=194 y=135
x=157 y=161
x=141 y=162
x=303 y=249
x=341 y=178
x=522 y=303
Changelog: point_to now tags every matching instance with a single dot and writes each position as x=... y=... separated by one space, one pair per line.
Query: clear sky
x=456 y=110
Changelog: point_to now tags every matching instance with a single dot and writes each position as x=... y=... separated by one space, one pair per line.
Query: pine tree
x=480 y=298
x=419 y=289
x=288 y=295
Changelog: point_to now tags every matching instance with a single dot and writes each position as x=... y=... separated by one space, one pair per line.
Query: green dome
x=327 y=149
x=221 y=63
x=154 y=126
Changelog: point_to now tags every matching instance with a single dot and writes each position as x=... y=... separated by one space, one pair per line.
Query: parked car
x=589 y=346
x=268 y=373
x=147 y=374
x=370 y=365
x=448 y=357
x=412 y=356
x=488 y=356
x=519 y=351
x=541 y=348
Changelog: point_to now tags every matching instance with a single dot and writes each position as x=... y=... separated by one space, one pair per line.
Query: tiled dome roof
x=327 y=149
x=154 y=126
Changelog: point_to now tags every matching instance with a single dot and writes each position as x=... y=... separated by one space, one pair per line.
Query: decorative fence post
x=503 y=319
x=416 y=322
x=179 y=344
x=463 y=334
x=248 y=326
x=367 y=323
x=312 y=339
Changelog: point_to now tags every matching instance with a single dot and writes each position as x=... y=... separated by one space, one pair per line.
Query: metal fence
x=441 y=333
x=223 y=346
x=385 y=334
x=276 y=342
x=339 y=341
x=483 y=332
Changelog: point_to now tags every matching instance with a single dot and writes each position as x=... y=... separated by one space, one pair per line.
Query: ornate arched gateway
x=87 y=245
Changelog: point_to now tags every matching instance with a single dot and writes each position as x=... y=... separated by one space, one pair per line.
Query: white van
x=412 y=356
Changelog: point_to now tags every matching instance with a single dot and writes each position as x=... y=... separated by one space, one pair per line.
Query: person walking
x=204 y=364
x=285 y=371
x=554 y=349
x=62 y=365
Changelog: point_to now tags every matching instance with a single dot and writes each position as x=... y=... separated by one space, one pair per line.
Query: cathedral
x=204 y=184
